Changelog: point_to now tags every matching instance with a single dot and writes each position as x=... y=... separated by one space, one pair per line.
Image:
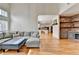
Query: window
x=6 y=15
x=3 y=26
x=0 y=11
x=0 y=28
x=3 y=23
x=3 y=13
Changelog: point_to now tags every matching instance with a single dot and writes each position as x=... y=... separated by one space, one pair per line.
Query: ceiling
x=45 y=10
x=40 y=8
x=72 y=11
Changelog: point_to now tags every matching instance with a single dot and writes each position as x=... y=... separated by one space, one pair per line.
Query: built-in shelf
x=75 y=21
x=69 y=22
x=66 y=22
x=75 y=27
x=69 y=27
x=65 y=26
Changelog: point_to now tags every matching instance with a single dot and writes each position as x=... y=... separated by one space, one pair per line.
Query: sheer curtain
x=3 y=23
x=0 y=28
x=3 y=26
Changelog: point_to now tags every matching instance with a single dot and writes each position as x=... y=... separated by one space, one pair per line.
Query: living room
x=20 y=34
x=21 y=21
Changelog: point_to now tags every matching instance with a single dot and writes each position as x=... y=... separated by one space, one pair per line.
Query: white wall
x=56 y=28
x=4 y=6
x=24 y=16
x=21 y=18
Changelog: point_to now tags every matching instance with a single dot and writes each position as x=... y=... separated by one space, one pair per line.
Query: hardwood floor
x=49 y=46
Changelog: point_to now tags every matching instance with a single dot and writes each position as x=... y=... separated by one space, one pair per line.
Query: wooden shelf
x=75 y=21
x=69 y=27
x=75 y=27
x=69 y=22
x=66 y=27
x=66 y=22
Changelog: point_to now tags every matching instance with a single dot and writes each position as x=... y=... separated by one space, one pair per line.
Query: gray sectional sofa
x=8 y=41
x=17 y=40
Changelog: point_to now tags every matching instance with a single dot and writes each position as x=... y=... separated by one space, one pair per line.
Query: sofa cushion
x=33 y=42
x=27 y=34
x=7 y=35
x=4 y=40
x=1 y=36
x=21 y=33
x=35 y=34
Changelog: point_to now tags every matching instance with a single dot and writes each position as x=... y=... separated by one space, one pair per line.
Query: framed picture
x=55 y=22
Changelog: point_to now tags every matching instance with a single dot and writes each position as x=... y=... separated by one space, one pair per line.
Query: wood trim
x=73 y=16
x=65 y=16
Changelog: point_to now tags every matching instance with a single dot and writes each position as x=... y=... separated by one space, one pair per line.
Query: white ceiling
x=41 y=8
x=72 y=11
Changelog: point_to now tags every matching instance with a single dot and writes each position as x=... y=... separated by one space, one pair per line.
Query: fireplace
x=73 y=35
x=76 y=36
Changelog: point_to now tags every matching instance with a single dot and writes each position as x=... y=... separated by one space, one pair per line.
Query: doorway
x=45 y=23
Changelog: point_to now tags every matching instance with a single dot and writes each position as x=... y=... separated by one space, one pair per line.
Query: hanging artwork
x=55 y=22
